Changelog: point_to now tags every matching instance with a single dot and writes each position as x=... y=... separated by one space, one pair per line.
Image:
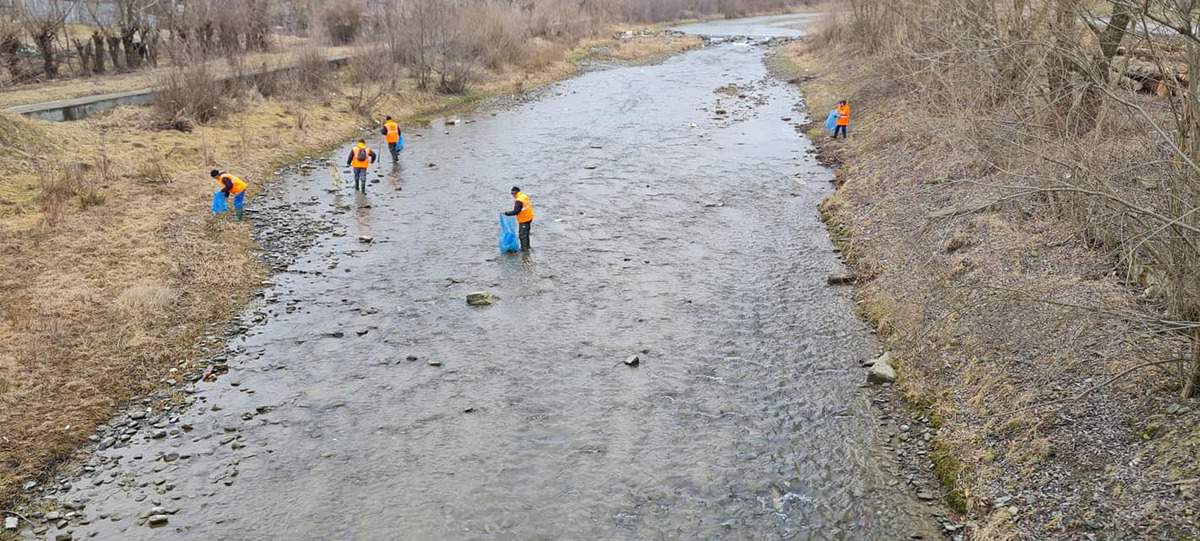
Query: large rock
x=881 y=370
x=482 y=298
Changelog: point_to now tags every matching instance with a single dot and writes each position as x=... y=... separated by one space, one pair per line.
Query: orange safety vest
x=239 y=185
x=393 y=131
x=843 y=115
x=361 y=151
x=526 y=214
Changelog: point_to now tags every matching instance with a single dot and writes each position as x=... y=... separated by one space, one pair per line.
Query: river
x=676 y=221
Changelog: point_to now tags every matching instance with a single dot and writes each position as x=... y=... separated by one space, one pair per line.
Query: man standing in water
x=523 y=210
x=395 y=139
x=360 y=159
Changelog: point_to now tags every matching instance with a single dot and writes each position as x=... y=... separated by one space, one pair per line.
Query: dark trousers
x=841 y=130
x=523 y=234
x=394 y=148
x=360 y=179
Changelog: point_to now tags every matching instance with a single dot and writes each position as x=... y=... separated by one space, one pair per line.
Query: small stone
x=366 y=239
x=107 y=442
x=433 y=362
x=29 y=485
x=137 y=415
x=157 y=520
x=481 y=298
x=925 y=496
x=411 y=358
x=62 y=536
x=159 y=434
x=53 y=516
x=632 y=360
x=841 y=279
x=171 y=457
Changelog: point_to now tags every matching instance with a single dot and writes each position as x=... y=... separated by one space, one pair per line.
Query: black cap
x=214 y=173
x=516 y=189
x=389 y=117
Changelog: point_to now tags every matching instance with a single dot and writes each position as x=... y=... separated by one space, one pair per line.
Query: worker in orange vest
x=843 y=119
x=395 y=139
x=360 y=159
x=231 y=185
x=523 y=210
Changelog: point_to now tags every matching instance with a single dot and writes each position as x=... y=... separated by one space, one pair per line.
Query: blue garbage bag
x=508 y=234
x=400 y=143
x=831 y=121
x=219 y=204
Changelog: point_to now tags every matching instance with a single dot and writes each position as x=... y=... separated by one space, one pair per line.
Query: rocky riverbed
x=669 y=361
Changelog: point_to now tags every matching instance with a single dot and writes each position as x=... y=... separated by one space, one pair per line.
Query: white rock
x=881 y=370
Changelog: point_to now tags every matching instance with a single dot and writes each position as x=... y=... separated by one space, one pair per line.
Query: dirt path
x=675 y=222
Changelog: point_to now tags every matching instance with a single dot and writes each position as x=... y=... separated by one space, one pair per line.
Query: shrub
x=343 y=22
x=191 y=92
x=313 y=72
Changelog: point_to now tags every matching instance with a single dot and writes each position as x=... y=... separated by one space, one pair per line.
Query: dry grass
x=100 y=307
x=125 y=82
x=980 y=307
x=650 y=48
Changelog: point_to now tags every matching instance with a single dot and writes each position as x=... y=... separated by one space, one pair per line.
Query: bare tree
x=45 y=21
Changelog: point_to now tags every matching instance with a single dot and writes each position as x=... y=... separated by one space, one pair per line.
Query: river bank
x=1001 y=317
x=134 y=282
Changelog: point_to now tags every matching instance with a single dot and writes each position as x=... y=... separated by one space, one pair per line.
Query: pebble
x=157 y=520
x=632 y=360
x=433 y=362
x=62 y=536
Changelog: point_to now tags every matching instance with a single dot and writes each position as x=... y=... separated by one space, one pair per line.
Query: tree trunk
x=114 y=52
x=1058 y=74
x=1110 y=39
x=1193 y=376
x=98 y=49
x=84 y=50
x=133 y=59
x=9 y=48
x=45 y=42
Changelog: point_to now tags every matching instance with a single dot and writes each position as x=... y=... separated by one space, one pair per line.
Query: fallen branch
x=1092 y=389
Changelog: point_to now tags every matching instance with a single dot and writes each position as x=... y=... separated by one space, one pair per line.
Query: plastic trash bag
x=219 y=204
x=831 y=121
x=400 y=143
x=508 y=234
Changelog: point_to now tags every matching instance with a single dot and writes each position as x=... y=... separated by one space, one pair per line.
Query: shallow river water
x=665 y=228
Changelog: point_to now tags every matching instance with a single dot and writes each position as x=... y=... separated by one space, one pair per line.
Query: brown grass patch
x=979 y=306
